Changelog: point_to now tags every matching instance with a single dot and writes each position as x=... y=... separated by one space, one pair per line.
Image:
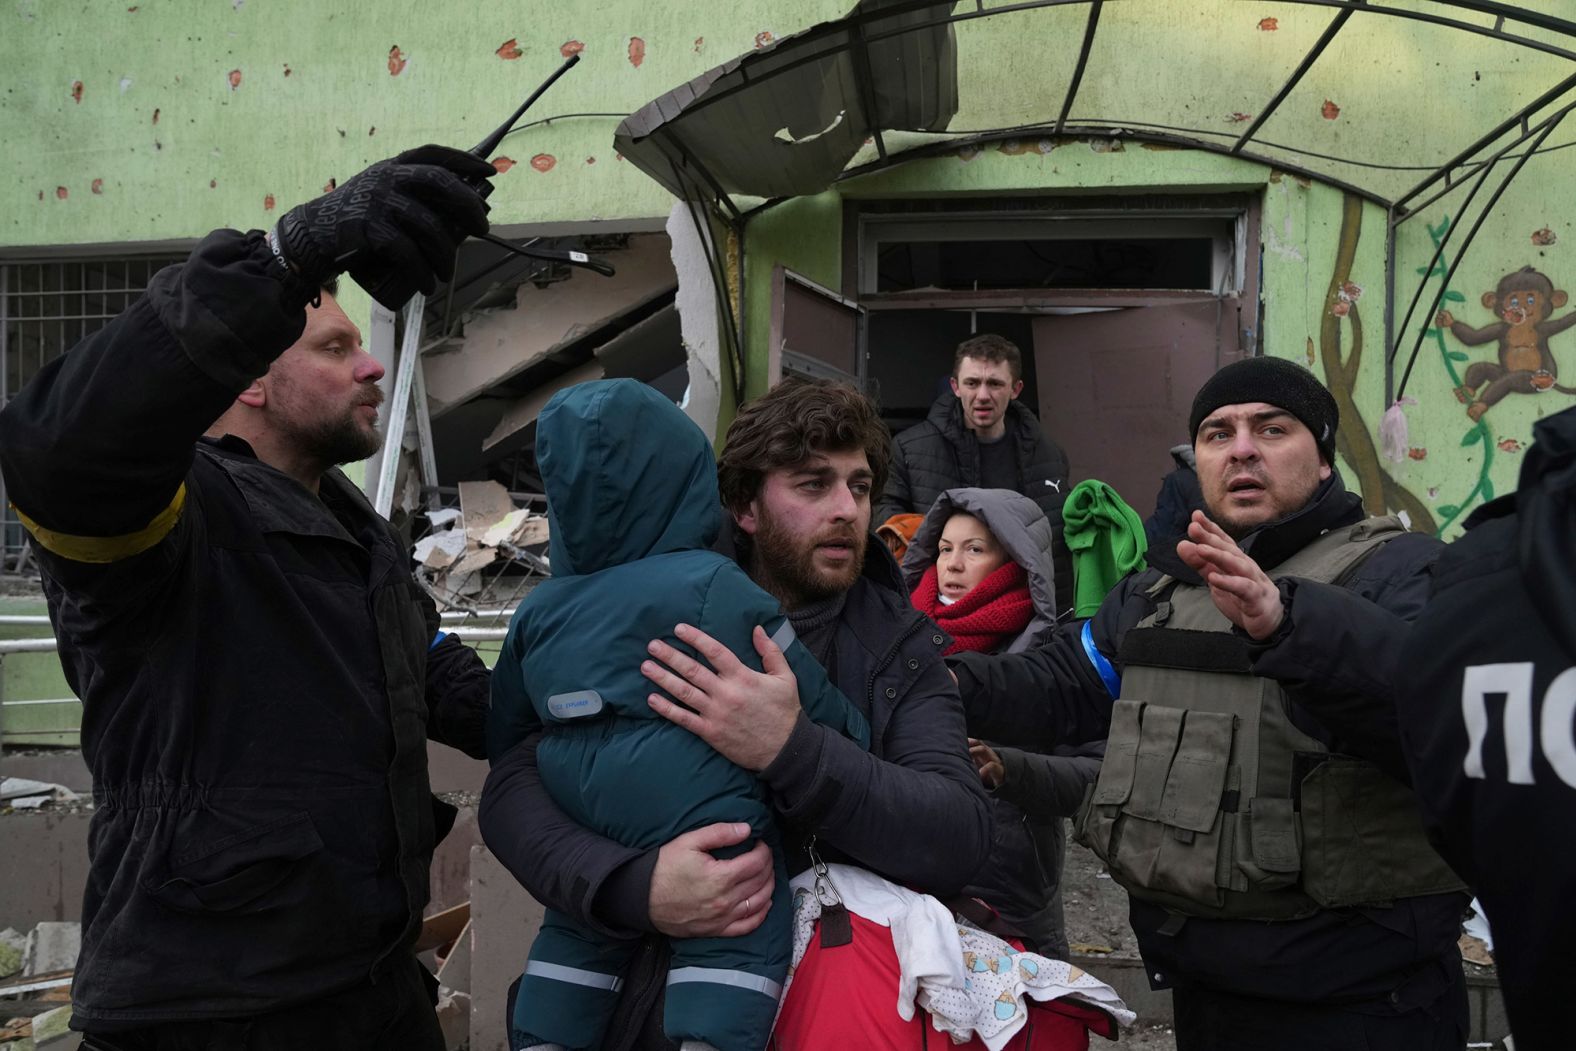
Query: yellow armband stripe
x=102 y=549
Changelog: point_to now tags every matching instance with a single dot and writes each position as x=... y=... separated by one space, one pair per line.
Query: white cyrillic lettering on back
x=1559 y=736
x=1514 y=681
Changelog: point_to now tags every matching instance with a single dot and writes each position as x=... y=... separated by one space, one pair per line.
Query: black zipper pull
x=837 y=927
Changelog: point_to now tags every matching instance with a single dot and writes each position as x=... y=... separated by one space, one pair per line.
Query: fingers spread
x=677 y=714
x=685 y=666
x=680 y=689
x=720 y=657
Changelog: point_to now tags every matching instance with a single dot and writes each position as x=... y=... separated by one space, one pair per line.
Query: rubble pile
x=35 y=987
x=472 y=548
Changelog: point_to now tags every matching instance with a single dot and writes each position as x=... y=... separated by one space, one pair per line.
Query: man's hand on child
x=694 y=895
x=744 y=714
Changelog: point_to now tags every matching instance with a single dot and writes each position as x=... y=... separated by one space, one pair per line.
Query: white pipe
x=29 y=619
x=26 y=646
x=478 y=634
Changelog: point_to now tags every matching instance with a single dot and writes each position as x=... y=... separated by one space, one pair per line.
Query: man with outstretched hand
x=1253 y=800
x=258 y=671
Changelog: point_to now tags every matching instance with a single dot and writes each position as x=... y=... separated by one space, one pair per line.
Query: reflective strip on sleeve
x=784 y=636
x=720 y=976
x=102 y=549
x=1108 y=675
x=574 y=976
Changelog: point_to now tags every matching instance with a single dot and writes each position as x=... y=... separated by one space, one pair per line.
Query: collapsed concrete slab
x=501 y=343
x=52 y=946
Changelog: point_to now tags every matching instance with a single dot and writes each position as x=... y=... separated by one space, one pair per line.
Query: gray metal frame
x=859 y=30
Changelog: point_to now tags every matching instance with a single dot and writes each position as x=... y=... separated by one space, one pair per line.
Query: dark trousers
x=392 y=1014
x=1207 y=1020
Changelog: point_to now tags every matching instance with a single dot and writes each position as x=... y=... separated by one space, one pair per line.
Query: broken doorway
x=1120 y=306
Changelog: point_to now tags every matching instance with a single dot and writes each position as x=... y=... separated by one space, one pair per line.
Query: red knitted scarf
x=997 y=609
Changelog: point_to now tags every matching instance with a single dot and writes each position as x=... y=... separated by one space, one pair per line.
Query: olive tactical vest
x=1211 y=803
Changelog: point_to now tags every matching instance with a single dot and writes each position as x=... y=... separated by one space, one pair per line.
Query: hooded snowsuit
x=634 y=508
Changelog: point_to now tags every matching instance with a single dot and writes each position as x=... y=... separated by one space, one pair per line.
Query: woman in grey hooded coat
x=1032 y=793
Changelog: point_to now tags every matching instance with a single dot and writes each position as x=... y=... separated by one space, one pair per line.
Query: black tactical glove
x=395 y=228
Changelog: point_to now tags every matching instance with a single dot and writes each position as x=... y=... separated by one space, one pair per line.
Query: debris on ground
x=22 y=793
x=51 y=947
x=12 y=943
x=52 y=1030
x=1474 y=951
x=489 y=550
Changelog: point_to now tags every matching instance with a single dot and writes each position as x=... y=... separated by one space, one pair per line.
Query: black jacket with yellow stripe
x=256 y=666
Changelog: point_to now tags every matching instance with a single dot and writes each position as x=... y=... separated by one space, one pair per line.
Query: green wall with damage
x=151 y=122
x=1323 y=289
x=162 y=119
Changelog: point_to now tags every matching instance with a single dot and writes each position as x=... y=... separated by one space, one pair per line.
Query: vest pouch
x=1273 y=855
x=1170 y=836
x=1363 y=838
x=1102 y=803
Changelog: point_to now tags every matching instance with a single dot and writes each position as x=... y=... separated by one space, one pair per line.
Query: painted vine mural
x=1525 y=316
x=1354 y=441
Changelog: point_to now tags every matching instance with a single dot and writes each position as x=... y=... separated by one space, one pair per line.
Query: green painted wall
x=194 y=114
x=1323 y=289
x=31 y=677
x=155 y=121
x=1456 y=462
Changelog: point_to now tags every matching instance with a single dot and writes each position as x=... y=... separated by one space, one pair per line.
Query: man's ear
x=1017 y=389
x=254 y=395
x=954 y=381
x=746 y=518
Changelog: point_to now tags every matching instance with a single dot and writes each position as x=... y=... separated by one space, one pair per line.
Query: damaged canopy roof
x=1267 y=80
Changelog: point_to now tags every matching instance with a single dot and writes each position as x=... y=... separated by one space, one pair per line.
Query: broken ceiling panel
x=523 y=412
x=545 y=322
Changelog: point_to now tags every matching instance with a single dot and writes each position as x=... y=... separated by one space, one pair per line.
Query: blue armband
x=439 y=637
x=1108 y=675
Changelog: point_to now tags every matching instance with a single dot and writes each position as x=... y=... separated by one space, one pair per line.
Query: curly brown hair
x=790 y=423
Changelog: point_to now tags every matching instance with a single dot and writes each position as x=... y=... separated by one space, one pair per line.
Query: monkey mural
x=1524 y=302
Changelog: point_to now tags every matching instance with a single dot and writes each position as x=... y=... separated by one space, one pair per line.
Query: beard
x=335 y=442
x=785 y=563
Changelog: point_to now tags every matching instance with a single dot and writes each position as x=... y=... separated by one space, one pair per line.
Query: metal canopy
x=881 y=86
x=897 y=80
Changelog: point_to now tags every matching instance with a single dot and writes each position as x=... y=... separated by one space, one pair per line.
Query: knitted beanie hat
x=1276 y=382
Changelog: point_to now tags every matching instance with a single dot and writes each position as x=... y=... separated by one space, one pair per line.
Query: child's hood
x=627 y=476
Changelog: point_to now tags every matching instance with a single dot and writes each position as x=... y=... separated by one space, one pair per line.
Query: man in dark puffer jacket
x=981 y=436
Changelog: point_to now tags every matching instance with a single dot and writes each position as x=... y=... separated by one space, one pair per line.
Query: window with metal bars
x=46 y=308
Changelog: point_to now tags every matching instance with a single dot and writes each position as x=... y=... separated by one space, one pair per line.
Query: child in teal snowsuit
x=633 y=504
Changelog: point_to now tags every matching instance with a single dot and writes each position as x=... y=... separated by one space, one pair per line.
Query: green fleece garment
x=1106 y=538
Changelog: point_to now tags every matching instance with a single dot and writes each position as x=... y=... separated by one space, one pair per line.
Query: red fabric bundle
x=846 y=997
x=998 y=608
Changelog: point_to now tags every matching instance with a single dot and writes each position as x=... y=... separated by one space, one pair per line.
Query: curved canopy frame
x=881 y=87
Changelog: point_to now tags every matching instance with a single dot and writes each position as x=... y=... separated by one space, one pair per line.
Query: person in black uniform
x=1486 y=719
x=259 y=672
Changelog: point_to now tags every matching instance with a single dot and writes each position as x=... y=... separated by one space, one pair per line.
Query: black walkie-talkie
x=484 y=150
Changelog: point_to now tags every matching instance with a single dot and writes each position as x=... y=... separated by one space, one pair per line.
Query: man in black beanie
x=1253 y=800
